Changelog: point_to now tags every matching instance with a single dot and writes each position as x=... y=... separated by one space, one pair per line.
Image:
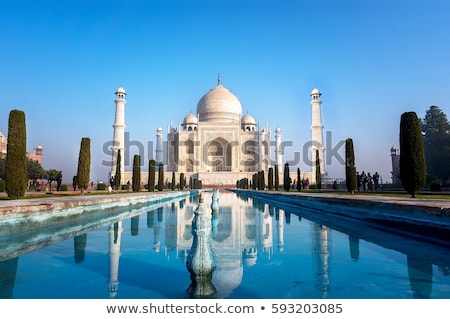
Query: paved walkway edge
x=368 y=208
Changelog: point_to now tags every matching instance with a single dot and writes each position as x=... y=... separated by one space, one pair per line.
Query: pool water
x=262 y=251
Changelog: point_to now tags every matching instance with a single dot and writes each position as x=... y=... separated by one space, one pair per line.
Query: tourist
x=58 y=181
x=364 y=181
x=358 y=181
x=369 y=182
x=112 y=182
x=376 y=178
x=75 y=182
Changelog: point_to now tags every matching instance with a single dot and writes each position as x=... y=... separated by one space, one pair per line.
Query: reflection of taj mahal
x=218 y=145
x=242 y=236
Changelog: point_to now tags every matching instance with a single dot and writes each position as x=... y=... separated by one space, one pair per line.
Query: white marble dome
x=219 y=105
x=190 y=119
x=247 y=119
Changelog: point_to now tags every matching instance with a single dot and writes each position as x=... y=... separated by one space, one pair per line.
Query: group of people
x=367 y=182
x=304 y=183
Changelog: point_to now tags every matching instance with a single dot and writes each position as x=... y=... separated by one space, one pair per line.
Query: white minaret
x=119 y=132
x=278 y=155
x=316 y=130
x=159 y=145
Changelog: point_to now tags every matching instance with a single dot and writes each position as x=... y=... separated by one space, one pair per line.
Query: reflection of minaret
x=115 y=234
x=420 y=274
x=157 y=236
x=79 y=243
x=280 y=233
x=321 y=255
x=8 y=270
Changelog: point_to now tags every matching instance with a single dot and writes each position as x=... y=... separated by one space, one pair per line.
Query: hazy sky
x=61 y=62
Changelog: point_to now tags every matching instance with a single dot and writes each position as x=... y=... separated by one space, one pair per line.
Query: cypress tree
x=277 y=178
x=118 y=176
x=151 y=175
x=84 y=164
x=261 y=181
x=172 y=185
x=136 y=178
x=286 y=179
x=16 y=156
x=160 y=176
x=350 y=169
x=412 y=156
x=270 y=178
x=182 y=181
x=318 y=173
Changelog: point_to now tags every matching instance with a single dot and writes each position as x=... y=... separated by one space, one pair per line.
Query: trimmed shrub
x=287 y=178
x=118 y=176
x=350 y=169
x=412 y=156
x=181 y=181
x=277 y=178
x=160 y=177
x=16 y=175
x=63 y=187
x=84 y=164
x=125 y=187
x=151 y=175
x=101 y=186
x=136 y=178
x=270 y=178
x=2 y=185
x=318 y=173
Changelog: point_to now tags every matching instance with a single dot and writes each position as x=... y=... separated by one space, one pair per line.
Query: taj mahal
x=218 y=145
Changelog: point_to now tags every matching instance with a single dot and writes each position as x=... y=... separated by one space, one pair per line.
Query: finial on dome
x=218 y=78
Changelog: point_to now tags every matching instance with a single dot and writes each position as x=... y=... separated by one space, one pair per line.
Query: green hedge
x=63 y=187
x=2 y=185
x=101 y=186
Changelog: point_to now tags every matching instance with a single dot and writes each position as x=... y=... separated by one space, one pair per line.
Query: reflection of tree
x=420 y=273
x=8 y=270
x=150 y=216
x=79 y=243
x=354 y=247
x=160 y=214
x=135 y=225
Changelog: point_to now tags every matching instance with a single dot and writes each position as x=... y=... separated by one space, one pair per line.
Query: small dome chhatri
x=190 y=122
x=219 y=105
x=315 y=91
x=248 y=123
x=121 y=90
x=248 y=119
x=190 y=119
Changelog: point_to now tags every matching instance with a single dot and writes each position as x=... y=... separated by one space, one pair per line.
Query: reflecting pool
x=262 y=251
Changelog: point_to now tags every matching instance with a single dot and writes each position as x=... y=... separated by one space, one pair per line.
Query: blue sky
x=61 y=62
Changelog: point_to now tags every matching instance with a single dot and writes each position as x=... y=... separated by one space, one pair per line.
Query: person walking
x=58 y=181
